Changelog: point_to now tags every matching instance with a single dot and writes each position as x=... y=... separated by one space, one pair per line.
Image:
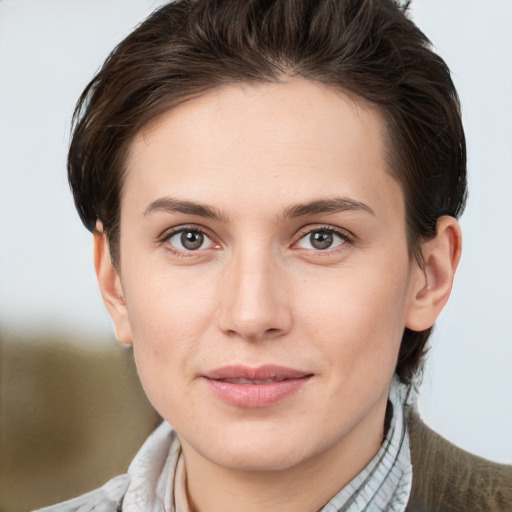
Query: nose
x=255 y=305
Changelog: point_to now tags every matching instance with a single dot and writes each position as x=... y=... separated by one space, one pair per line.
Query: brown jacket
x=448 y=479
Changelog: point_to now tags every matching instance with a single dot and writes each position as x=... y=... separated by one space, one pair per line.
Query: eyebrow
x=319 y=206
x=331 y=205
x=170 y=205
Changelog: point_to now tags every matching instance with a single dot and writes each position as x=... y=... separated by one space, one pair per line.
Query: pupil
x=192 y=240
x=321 y=239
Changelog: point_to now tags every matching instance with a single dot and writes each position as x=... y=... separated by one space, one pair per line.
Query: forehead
x=297 y=138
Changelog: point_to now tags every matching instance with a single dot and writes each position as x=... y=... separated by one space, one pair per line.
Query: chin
x=258 y=459
x=260 y=447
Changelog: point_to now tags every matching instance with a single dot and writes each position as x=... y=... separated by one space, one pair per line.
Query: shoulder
x=105 y=499
x=449 y=479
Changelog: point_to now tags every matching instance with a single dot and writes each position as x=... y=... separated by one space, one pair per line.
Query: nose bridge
x=254 y=305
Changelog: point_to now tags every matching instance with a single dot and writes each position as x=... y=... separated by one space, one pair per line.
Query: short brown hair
x=367 y=48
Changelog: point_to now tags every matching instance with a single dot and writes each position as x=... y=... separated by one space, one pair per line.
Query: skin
x=258 y=291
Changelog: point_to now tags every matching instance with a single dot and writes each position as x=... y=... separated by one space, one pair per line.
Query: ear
x=432 y=282
x=110 y=286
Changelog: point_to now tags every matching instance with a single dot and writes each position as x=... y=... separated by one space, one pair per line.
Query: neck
x=304 y=487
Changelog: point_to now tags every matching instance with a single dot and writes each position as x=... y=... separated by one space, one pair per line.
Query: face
x=264 y=273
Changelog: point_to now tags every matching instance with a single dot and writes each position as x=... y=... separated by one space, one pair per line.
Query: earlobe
x=110 y=286
x=432 y=282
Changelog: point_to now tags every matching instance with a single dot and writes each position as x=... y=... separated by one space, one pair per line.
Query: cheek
x=165 y=305
x=359 y=316
x=169 y=316
x=165 y=340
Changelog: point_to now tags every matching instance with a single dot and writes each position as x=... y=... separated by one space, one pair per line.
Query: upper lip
x=261 y=373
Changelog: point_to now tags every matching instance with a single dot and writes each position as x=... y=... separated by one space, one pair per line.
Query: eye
x=321 y=240
x=189 y=239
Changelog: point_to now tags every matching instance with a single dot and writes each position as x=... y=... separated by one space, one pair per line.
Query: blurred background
x=72 y=411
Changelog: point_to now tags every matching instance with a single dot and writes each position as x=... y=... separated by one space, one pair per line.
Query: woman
x=273 y=189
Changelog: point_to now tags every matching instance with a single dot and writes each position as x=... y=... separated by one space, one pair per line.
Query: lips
x=250 y=381
x=242 y=386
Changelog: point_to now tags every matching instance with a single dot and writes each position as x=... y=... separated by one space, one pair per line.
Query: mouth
x=247 y=387
x=251 y=381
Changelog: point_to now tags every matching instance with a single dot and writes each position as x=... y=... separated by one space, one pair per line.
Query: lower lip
x=256 y=395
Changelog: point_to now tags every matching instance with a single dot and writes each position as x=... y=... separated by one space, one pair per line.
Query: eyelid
x=346 y=235
x=165 y=236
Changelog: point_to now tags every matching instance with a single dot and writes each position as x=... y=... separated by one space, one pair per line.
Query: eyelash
x=167 y=235
x=347 y=237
